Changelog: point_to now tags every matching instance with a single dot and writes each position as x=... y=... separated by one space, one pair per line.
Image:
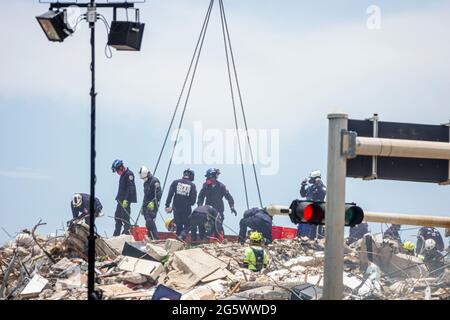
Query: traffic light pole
x=335 y=207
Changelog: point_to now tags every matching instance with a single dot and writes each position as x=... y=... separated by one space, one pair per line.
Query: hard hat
x=116 y=164
x=170 y=224
x=409 y=246
x=211 y=173
x=77 y=200
x=430 y=244
x=189 y=173
x=315 y=174
x=256 y=236
x=144 y=173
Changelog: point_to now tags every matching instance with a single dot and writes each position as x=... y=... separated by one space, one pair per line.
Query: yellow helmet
x=170 y=225
x=256 y=236
x=409 y=246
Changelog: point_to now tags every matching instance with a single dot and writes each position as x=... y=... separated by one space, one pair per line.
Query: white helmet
x=315 y=174
x=430 y=244
x=77 y=200
x=144 y=173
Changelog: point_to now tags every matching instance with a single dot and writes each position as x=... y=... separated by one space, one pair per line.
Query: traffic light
x=313 y=212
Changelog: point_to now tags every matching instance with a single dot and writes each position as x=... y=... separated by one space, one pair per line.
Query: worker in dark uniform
x=313 y=189
x=80 y=205
x=357 y=232
x=212 y=193
x=150 y=204
x=433 y=258
x=202 y=217
x=126 y=195
x=426 y=233
x=184 y=194
x=257 y=220
x=393 y=233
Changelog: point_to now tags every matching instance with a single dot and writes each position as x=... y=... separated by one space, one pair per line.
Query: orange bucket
x=138 y=233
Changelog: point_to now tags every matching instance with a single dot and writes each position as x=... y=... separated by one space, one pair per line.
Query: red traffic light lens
x=308 y=212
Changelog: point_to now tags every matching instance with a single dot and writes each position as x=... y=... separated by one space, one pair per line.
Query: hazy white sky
x=297 y=61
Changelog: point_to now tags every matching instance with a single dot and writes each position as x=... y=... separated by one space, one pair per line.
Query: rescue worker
x=126 y=195
x=184 y=194
x=212 y=193
x=200 y=218
x=258 y=220
x=433 y=258
x=408 y=248
x=80 y=205
x=313 y=189
x=357 y=232
x=426 y=233
x=150 y=204
x=393 y=233
x=256 y=258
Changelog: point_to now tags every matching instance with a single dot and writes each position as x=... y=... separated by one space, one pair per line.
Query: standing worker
x=80 y=205
x=313 y=189
x=256 y=258
x=426 y=233
x=150 y=204
x=212 y=193
x=184 y=193
x=125 y=196
x=258 y=220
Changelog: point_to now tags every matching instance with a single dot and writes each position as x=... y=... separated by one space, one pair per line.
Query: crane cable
x=225 y=23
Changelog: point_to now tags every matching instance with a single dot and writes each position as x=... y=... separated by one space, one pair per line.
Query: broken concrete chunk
x=147 y=268
x=114 y=290
x=118 y=242
x=34 y=287
x=133 y=277
x=199 y=293
x=173 y=245
x=156 y=252
x=62 y=265
x=298 y=269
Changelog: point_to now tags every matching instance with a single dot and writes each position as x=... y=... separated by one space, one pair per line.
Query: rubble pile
x=53 y=268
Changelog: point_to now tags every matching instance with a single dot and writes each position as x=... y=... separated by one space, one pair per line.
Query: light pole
x=55 y=26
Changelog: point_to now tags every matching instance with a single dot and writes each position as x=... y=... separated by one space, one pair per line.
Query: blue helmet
x=116 y=164
x=189 y=173
x=212 y=173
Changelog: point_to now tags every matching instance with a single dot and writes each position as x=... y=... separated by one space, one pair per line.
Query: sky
x=297 y=61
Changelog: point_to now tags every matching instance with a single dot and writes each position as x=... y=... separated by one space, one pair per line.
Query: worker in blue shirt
x=426 y=233
x=212 y=193
x=184 y=193
x=257 y=220
x=126 y=195
x=80 y=205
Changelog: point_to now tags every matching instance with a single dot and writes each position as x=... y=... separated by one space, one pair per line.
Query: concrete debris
x=34 y=287
x=373 y=269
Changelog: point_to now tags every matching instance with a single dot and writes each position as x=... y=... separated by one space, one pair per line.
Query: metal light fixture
x=126 y=35
x=54 y=26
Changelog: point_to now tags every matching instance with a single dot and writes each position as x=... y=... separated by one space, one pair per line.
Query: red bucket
x=138 y=233
x=289 y=233
x=277 y=232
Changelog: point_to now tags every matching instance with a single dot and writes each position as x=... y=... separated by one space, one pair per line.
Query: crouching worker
x=409 y=248
x=256 y=258
x=258 y=220
x=80 y=205
x=198 y=221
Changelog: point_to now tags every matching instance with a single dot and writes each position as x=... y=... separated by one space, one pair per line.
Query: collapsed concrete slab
x=34 y=287
x=147 y=268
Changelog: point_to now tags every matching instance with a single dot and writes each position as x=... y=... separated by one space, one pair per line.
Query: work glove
x=169 y=210
x=305 y=181
x=151 y=206
x=233 y=210
x=125 y=203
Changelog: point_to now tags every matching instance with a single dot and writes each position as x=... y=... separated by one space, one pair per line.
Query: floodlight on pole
x=54 y=25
